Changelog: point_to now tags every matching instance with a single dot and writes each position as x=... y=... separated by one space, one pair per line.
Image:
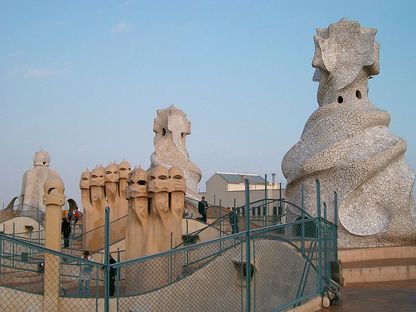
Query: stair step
x=21 y=277
x=379 y=263
x=379 y=270
x=374 y=253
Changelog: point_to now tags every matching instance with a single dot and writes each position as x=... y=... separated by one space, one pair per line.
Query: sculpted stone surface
x=154 y=201
x=54 y=191
x=177 y=188
x=115 y=197
x=33 y=182
x=171 y=128
x=156 y=206
x=88 y=215
x=138 y=217
x=347 y=146
x=100 y=188
x=123 y=173
x=53 y=199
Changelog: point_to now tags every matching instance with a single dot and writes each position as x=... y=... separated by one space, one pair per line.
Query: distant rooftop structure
x=229 y=187
x=239 y=177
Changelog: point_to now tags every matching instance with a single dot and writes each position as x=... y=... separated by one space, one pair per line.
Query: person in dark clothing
x=233 y=218
x=66 y=231
x=113 y=273
x=202 y=209
x=236 y=228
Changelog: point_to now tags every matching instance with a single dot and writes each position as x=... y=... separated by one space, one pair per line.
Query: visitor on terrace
x=66 y=231
x=202 y=209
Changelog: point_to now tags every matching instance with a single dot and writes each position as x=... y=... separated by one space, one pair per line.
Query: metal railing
x=270 y=268
x=22 y=210
x=264 y=212
x=96 y=235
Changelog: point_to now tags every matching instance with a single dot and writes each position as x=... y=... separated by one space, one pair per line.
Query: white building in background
x=228 y=187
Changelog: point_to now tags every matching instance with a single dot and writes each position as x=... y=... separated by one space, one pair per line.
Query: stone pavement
x=398 y=296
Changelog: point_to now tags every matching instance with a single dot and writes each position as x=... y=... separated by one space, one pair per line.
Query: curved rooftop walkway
x=377 y=297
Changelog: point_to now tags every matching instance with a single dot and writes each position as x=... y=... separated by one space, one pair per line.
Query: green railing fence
x=265 y=267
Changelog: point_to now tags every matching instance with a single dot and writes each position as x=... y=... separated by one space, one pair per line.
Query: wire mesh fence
x=212 y=276
x=22 y=210
x=282 y=269
x=260 y=262
x=179 y=280
x=33 y=278
x=93 y=240
x=21 y=266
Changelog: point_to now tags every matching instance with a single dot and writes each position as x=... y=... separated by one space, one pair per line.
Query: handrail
x=240 y=209
x=43 y=249
x=99 y=227
x=206 y=259
x=219 y=220
x=203 y=260
x=30 y=211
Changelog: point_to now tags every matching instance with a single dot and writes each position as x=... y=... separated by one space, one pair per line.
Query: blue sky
x=83 y=79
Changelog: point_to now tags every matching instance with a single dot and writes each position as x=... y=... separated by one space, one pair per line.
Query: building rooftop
x=239 y=177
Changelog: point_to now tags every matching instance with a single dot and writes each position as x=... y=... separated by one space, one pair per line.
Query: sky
x=83 y=80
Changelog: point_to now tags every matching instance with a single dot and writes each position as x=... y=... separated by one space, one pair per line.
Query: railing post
x=213 y=212
x=13 y=250
x=248 y=253
x=1 y=256
x=107 y=260
x=324 y=235
x=280 y=199
x=96 y=290
x=71 y=242
x=220 y=213
x=170 y=273
x=39 y=236
x=118 y=273
x=302 y=204
x=319 y=234
x=187 y=240
x=336 y=225
x=265 y=200
x=221 y=221
x=30 y=241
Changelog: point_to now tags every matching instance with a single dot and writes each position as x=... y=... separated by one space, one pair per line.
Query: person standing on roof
x=85 y=275
x=113 y=273
x=66 y=231
x=202 y=209
x=233 y=219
